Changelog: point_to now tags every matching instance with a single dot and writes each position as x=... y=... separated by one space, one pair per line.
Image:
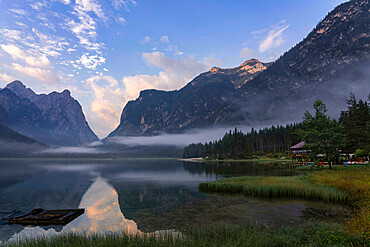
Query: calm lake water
x=142 y=195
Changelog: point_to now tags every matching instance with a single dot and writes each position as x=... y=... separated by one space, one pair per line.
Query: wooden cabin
x=299 y=154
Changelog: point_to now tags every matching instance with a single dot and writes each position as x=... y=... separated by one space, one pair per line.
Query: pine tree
x=321 y=134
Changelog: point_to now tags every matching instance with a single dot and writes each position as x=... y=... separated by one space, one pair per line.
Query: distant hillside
x=55 y=118
x=7 y=134
x=13 y=143
x=330 y=62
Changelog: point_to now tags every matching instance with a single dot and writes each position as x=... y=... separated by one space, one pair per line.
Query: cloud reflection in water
x=102 y=215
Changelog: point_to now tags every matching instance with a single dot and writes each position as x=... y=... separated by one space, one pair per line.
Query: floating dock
x=43 y=217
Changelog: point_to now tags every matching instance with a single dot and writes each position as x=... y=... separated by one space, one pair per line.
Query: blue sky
x=105 y=52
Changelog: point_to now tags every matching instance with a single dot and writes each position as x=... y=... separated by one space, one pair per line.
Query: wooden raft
x=42 y=217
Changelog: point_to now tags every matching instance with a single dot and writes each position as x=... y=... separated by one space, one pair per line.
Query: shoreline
x=230 y=160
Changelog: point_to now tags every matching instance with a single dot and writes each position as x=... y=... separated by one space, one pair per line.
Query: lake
x=144 y=195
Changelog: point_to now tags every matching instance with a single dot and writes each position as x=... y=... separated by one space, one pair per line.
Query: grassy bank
x=350 y=184
x=274 y=187
x=318 y=234
x=247 y=160
x=262 y=159
x=355 y=181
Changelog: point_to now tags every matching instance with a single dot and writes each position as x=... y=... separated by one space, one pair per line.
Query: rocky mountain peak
x=16 y=84
x=214 y=69
x=251 y=61
x=66 y=93
x=252 y=67
x=19 y=89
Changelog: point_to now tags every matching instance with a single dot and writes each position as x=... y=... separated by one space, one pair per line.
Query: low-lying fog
x=175 y=140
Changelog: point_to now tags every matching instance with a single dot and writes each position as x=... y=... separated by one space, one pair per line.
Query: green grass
x=318 y=234
x=275 y=187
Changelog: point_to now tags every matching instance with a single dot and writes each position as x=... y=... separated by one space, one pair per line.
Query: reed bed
x=275 y=187
x=349 y=184
x=355 y=181
x=318 y=234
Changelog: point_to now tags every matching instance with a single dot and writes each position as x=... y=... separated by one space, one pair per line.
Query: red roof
x=298 y=145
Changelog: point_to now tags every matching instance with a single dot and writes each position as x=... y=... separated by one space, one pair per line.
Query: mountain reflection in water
x=102 y=215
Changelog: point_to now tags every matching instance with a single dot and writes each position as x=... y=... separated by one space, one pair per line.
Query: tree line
x=351 y=135
x=238 y=145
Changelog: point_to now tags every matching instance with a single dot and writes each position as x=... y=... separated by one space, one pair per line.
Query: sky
x=106 y=52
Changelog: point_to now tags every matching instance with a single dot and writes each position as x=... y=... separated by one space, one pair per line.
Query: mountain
x=203 y=101
x=330 y=62
x=55 y=118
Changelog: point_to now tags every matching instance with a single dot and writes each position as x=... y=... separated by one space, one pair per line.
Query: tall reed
x=275 y=187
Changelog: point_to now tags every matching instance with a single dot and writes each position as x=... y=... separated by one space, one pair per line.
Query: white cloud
x=84 y=26
x=34 y=64
x=45 y=75
x=247 y=53
x=121 y=20
x=21 y=24
x=118 y=4
x=164 y=39
x=107 y=104
x=6 y=78
x=49 y=44
x=145 y=40
x=175 y=73
x=9 y=34
x=273 y=39
x=91 y=61
x=66 y=2
x=18 y=54
x=38 y=5
x=84 y=6
x=18 y=11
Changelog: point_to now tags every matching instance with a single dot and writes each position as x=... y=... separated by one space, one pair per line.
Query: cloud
x=121 y=20
x=118 y=4
x=175 y=73
x=164 y=39
x=170 y=47
x=45 y=75
x=107 y=103
x=84 y=26
x=6 y=78
x=66 y=2
x=38 y=5
x=84 y=6
x=145 y=40
x=274 y=38
x=91 y=61
x=11 y=35
x=18 y=54
x=247 y=53
x=50 y=45
x=20 y=12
